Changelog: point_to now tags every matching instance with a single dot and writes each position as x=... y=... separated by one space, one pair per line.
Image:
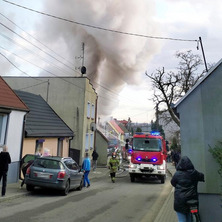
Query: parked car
x=57 y=173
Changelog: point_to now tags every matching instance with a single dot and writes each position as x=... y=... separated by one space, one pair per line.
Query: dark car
x=60 y=173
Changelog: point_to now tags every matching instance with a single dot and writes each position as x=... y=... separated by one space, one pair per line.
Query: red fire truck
x=148 y=157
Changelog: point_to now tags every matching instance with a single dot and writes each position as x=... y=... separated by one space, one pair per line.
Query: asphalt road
x=104 y=201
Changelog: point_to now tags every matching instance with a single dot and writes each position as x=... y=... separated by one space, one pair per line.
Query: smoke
x=112 y=60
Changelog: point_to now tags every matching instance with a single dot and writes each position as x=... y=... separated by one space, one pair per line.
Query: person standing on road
x=95 y=156
x=113 y=166
x=5 y=160
x=86 y=166
x=185 y=181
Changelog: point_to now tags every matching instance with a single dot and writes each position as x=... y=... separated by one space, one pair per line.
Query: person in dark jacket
x=5 y=160
x=95 y=156
x=25 y=166
x=185 y=181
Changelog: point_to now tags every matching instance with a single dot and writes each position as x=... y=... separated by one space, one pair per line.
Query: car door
x=74 y=172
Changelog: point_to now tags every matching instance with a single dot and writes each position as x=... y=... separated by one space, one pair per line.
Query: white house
x=12 y=116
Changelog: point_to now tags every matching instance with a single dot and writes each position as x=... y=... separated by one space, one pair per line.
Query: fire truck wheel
x=132 y=178
x=162 y=179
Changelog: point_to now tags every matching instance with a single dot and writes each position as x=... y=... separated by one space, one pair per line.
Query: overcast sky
x=33 y=44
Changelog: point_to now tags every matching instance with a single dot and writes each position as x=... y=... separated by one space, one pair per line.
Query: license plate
x=43 y=175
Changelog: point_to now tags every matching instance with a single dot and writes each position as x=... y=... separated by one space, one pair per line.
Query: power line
x=17 y=67
x=101 y=28
x=36 y=46
x=26 y=49
x=36 y=39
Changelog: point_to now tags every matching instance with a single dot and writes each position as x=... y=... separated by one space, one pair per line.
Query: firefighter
x=113 y=166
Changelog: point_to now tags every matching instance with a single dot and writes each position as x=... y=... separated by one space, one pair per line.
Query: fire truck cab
x=148 y=157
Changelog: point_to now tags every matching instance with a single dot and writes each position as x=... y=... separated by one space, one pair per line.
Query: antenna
x=82 y=68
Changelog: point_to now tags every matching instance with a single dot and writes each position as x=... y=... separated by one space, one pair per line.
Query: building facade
x=74 y=99
x=201 y=127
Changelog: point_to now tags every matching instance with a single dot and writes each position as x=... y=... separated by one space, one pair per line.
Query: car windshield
x=45 y=163
x=152 y=144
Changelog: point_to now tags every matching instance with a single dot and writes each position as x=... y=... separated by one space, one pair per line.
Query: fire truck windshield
x=151 y=144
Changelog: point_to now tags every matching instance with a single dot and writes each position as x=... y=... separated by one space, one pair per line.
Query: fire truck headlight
x=160 y=167
x=132 y=166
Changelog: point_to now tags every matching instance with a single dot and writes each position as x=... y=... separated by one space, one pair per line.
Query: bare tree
x=170 y=87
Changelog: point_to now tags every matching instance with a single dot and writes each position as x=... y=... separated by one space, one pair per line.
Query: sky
x=122 y=40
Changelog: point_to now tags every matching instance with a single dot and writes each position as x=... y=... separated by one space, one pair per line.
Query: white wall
x=14 y=134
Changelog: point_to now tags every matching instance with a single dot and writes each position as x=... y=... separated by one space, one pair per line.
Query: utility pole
x=203 y=54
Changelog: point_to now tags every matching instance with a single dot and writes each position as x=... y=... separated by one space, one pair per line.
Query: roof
x=123 y=128
x=42 y=120
x=198 y=83
x=102 y=135
x=116 y=126
x=8 y=98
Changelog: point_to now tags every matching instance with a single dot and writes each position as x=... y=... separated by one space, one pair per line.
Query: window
x=72 y=165
x=88 y=110
x=93 y=112
x=91 y=140
x=87 y=142
x=39 y=146
x=3 y=126
x=142 y=144
x=51 y=164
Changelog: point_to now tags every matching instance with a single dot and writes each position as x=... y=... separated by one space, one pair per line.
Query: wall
x=201 y=126
x=101 y=148
x=14 y=142
x=50 y=143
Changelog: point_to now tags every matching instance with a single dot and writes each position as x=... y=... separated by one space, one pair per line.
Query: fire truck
x=148 y=157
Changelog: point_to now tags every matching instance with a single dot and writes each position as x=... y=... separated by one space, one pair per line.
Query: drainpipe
x=95 y=122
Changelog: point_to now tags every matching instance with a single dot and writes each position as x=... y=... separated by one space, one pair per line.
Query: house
x=201 y=126
x=101 y=148
x=45 y=131
x=12 y=117
x=117 y=131
x=75 y=101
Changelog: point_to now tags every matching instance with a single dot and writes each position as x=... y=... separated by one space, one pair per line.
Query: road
x=122 y=201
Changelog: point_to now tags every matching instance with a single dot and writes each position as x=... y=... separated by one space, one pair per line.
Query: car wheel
x=67 y=188
x=29 y=187
x=81 y=185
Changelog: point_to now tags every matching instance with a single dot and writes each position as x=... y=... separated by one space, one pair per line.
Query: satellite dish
x=93 y=126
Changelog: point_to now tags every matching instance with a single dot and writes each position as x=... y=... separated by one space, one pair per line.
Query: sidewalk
x=166 y=214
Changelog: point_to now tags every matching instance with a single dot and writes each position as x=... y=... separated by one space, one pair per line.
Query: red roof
x=8 y=98
x=115 y=125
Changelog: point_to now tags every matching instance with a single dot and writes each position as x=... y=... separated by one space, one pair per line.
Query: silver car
x=54 y=172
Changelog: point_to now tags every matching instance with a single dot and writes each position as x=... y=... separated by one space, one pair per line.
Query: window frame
x=88 y=109
x=87 y=142
x=3 y=127
x=92 y=111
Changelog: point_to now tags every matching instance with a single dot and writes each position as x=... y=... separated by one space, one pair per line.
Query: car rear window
x=51 y=164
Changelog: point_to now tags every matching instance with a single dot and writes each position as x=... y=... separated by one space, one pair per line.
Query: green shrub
x=217 y=154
